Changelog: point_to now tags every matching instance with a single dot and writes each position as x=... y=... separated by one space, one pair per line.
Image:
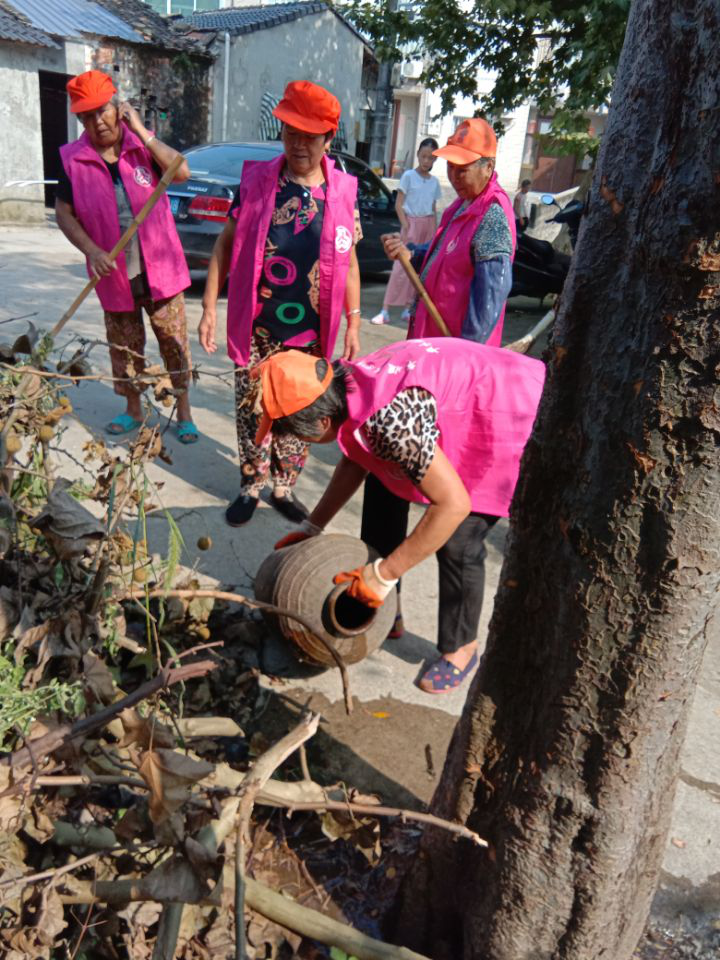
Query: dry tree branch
x=274 y=906
x=45 y=745
x=258 y=605
x=372 y=810
x=255 y=780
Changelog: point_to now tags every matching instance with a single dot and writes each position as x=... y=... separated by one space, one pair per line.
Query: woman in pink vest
x=436 y=421
x=107 y=176
x=467 y=269
x=289 y=251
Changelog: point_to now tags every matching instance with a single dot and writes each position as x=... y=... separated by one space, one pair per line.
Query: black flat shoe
x=290 y=507
x=241 y=510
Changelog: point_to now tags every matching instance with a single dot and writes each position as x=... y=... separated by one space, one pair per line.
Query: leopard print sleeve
x=405 y=432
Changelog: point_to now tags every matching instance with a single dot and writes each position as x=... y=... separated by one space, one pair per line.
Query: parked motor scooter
x=539 y=269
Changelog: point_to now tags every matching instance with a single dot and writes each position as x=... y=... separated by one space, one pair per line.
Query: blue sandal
x=121 y=424
x=443 y=676
x=187 y=432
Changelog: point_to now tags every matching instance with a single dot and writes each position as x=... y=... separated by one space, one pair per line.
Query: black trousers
x=461 y=562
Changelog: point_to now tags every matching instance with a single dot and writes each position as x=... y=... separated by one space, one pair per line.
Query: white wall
x=510 y=146
x=21 y=154
x=317 y=47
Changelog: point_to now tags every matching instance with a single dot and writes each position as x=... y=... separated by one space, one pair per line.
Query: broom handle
x=423 y=294
x=165 y=181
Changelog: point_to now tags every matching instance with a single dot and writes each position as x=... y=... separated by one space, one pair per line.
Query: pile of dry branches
x=127 y=804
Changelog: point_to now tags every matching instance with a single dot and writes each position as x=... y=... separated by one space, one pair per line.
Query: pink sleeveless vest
x=449 y=278
x=486 y=400
x=96 y=209
x=257 y=202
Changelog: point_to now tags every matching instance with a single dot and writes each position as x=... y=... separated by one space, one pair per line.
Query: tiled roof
x=74 y=18
x=248 y=19
x=130 y=20
x=153 y=28
x=15 y=27
x=238 y=20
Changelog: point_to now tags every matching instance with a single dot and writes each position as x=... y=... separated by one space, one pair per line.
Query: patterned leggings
x=126 y=336
x=282 y=458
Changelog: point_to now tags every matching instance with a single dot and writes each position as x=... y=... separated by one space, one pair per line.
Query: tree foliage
x=558 y=53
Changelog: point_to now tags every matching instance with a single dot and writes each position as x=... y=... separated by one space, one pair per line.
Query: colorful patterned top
x=288 y=292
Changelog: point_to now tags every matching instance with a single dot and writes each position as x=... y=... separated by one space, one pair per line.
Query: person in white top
x=521 y=206
x=416 y=206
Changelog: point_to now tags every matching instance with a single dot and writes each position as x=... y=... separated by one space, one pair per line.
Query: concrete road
x=396 y=740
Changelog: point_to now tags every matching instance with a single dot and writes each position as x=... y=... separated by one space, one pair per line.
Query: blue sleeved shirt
x=492 y=280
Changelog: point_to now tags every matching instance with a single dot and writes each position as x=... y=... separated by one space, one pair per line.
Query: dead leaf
x=134 y=824
x=147 y=445
x=98 y=678
x=25 y=343
x=147 y=732
x=10 y=807
x=39 y=825
x=28 y=640
x=381 y=715
x=175 y=880
x=8 y=612
x=681 y=844
x=364 y=835
x=68 y=525
x=169 y=776
x=207 y=865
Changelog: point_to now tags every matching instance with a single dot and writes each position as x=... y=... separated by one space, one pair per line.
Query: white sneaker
x=382 y=317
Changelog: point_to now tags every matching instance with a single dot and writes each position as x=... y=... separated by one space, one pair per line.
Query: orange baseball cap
x=90 y=90
x=472 y=140
x=289 y=383
x=308 y=107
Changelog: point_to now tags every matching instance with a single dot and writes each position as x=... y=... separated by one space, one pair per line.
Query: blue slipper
x=443 y=676
x=121 y=424
x=187 y=432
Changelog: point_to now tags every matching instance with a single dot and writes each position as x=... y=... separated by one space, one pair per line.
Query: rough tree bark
x=566 y=756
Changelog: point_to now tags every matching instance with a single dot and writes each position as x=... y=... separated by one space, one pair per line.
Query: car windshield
x=226 y=159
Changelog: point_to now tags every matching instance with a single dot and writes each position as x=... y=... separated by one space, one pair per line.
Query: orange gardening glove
x=305 y=531
x=366 y=585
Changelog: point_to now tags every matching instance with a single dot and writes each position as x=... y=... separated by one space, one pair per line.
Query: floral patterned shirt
x=289 y=289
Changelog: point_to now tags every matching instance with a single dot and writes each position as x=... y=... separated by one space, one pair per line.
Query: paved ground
x=396 y=741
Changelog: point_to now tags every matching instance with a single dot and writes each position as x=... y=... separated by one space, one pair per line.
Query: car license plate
x=174 y=205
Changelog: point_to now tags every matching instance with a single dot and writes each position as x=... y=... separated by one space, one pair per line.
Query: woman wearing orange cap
x=289 y=251
x=467 y=270
x=107 y=176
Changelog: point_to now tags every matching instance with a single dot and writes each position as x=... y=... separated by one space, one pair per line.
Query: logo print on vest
x=343 y=239
x=142 y=176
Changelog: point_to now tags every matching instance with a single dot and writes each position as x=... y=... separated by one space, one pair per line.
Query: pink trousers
x=400 y=292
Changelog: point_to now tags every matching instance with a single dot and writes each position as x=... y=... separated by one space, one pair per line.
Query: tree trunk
x=566 y=755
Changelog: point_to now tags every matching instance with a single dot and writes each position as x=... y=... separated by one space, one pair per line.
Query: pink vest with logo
x=96 y=209
x=450 y=276
x=486 y=401
x=257 y=202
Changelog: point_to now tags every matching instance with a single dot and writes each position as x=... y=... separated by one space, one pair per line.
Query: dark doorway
x=53 y=126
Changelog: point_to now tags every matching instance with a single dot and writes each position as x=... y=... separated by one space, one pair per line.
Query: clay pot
x=300 y=578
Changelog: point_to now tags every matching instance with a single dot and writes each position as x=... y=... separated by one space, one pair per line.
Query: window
x=226 y=160
x=371 y=190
